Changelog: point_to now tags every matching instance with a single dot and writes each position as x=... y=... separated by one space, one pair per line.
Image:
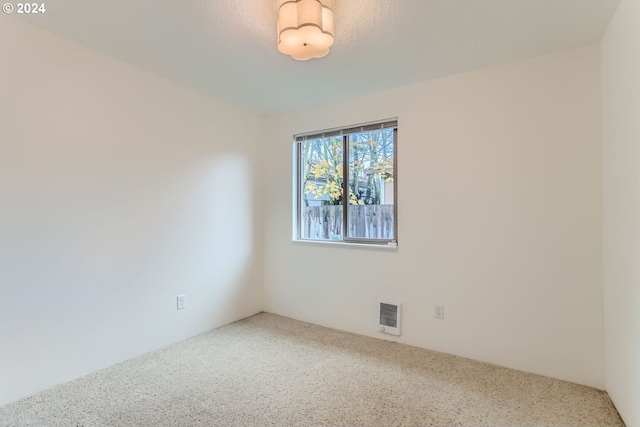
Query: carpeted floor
x=272 y=371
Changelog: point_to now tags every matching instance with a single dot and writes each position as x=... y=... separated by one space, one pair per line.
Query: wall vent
x=389 y=317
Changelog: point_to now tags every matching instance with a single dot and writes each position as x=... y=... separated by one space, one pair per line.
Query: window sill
x=347 y=244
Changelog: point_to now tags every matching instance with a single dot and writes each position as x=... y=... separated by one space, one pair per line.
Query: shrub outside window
x=346 y=184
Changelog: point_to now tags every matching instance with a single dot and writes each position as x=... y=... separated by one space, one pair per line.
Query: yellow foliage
x=320 y=169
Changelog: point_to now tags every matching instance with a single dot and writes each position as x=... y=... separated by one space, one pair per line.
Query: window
x=346 y=184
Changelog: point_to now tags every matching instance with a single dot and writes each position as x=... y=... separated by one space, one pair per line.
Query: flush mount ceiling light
x=305 y=29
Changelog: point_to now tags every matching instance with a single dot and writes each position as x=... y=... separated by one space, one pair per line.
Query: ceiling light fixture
x=305 y=29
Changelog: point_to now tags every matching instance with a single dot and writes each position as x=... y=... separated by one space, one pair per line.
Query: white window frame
x=298 y=141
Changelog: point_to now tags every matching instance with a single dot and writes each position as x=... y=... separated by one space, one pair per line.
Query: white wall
x=499 y=219
x=118 y=191
x=621 y=184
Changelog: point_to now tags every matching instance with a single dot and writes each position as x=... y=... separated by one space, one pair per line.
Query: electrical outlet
x=438 y=311
x=182 y=301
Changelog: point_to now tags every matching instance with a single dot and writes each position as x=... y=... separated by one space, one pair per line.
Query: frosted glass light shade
x=305 y=29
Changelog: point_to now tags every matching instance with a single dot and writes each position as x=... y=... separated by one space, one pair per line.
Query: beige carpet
x=272 y=371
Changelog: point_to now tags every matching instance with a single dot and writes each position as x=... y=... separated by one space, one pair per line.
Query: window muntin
x=360 y=209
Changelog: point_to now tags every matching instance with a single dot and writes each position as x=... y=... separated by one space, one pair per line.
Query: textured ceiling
x=227 y=48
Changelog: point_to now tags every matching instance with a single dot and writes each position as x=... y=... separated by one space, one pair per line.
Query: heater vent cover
x=389 y=317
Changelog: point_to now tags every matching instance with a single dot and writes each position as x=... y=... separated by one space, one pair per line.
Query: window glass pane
x=321 y=189
x=371 y=187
